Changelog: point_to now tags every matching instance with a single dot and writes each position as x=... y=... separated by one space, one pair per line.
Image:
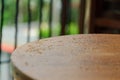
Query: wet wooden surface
x=78 y=57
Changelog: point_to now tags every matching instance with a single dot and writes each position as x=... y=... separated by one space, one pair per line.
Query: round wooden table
x=74 y=57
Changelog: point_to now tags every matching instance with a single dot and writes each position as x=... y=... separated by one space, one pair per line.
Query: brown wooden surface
x=78 y=57
x=110 y=23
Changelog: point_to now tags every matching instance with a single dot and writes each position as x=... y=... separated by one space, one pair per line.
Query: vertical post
x=1 y=27
x=96 y=10
x=41 y=4
x=50 y=18
x=68 y=15
x=82 y=16
x=29 y=21
x=16 y=22
x=63 y=16
x=92 y=16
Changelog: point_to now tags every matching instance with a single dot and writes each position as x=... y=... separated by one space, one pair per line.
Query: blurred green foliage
x=10 y=7
x=9 y=15
x=10 y=11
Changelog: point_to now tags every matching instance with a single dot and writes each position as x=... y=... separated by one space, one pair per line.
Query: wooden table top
x=75 y=57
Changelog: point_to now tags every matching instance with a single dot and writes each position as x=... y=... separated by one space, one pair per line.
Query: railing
x=65 y=19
